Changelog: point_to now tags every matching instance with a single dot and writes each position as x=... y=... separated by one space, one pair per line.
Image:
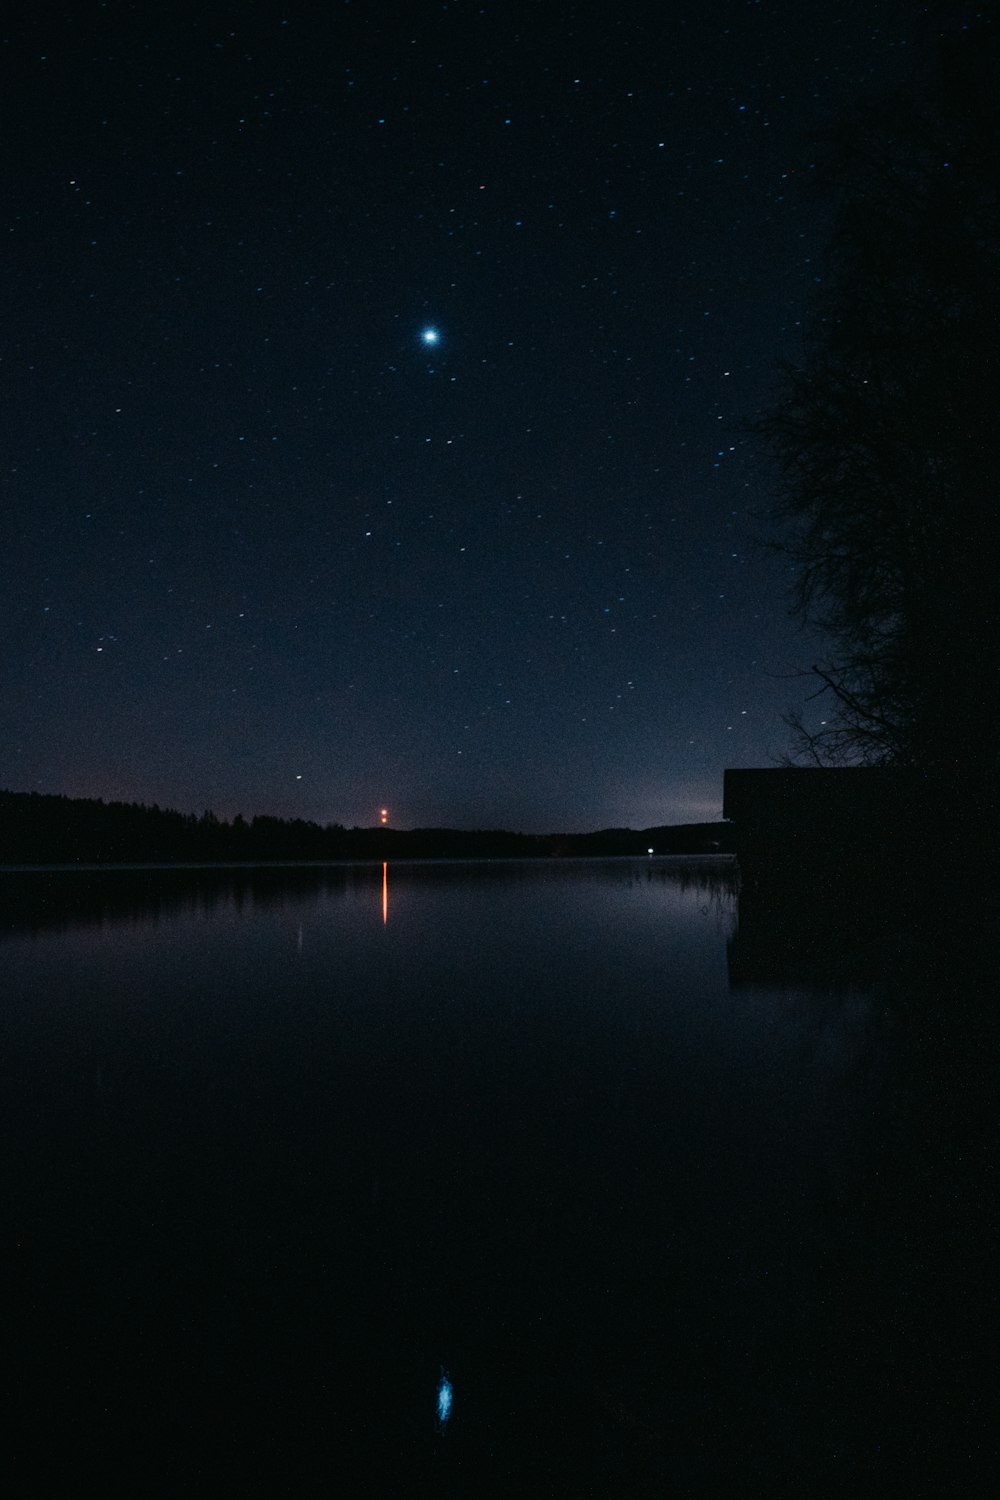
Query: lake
x=518 y=1178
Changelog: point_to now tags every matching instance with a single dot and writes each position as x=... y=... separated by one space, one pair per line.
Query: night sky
x=376 y=381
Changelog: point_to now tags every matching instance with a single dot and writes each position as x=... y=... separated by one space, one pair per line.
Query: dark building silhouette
x=804 y=816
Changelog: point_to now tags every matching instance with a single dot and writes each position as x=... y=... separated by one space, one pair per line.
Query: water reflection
x=669 y=1212
x=778 y=933
x=819 y=933
x=57 y=900
x=444 y=1400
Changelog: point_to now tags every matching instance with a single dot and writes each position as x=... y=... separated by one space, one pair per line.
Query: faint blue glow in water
x=444 y=1399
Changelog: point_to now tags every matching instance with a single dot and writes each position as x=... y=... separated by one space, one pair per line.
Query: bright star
x=430 y=336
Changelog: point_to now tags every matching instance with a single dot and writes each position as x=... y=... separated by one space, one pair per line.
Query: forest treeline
x=41 y=829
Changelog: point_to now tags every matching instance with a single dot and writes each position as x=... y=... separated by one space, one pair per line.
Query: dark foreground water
x=673 y=1209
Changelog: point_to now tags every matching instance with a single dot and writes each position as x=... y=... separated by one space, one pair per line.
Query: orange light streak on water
x=385 y=892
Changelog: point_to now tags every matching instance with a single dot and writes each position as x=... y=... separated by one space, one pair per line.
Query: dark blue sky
x=264 y=549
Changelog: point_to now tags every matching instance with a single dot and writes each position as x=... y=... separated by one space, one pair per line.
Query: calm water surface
x=288 y=1150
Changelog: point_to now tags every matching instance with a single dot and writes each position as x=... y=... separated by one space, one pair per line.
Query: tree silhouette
x=885 y=437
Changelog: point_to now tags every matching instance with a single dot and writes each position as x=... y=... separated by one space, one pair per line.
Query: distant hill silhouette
x=37 y=829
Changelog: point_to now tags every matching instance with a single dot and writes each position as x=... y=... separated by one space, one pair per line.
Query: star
x=430 y=336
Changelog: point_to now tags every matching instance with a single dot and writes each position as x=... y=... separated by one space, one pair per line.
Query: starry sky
x=376 y=383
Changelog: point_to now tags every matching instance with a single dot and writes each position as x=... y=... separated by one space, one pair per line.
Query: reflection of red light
x=384 y=816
